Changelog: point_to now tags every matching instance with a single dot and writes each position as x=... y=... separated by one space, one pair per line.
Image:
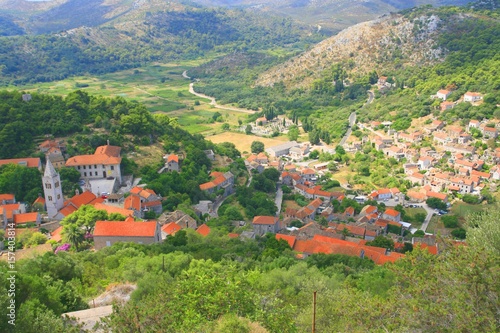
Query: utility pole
x=314 y=313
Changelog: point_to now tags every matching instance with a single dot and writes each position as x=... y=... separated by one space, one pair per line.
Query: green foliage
x=293 y=133
x=471 y=199
x=419 y=233
x=257 y=147
x=25 y=183
x=381 y=241
x=450 y=221
x=436 y=203
x=459 y=233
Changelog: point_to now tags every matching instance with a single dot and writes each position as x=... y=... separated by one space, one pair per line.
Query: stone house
x=106 y=233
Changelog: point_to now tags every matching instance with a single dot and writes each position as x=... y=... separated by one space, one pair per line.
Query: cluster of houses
x=453 y=166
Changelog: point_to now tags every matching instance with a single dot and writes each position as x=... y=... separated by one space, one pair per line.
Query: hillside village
x=440 y=160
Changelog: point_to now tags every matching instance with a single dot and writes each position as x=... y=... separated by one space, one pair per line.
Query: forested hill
x=167 y=32
x=417 y=37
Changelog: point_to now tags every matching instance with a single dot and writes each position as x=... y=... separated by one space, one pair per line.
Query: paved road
x=352 y=121
x=279 y=199
x=371 y=96
x=214 y=103
x=430 y=213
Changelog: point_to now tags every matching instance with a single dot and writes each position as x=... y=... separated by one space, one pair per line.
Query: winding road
x=213 y=102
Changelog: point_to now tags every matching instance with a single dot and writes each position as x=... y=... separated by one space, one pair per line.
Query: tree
x=225 y=127
x=293 y=133
x=436 y=203
x=314 y=154
x=483 y=230
x=248 y=129
x=381 y=241
x=257 y=147
x=83 y=219
x=73 y=234
x=314 y=137
x=450 y=221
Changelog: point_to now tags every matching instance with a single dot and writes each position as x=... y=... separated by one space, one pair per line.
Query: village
x=440 y=160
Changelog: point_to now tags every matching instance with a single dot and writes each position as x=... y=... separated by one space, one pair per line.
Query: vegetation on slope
x=191 y=283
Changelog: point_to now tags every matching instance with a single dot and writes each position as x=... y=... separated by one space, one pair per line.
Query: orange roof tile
x=136 y=190
x=173 y=158
x=431 y=248
x=68 y=210
x=203 y=229
x=7 y=197
x=82 y=199
x=30 y=162
x=290 y=239
x=264 y=220
x=92 y=159
x=26 y=218
x=113 y=209
x=132 y=202
x=56 y=234
x=207 y=186
x=233 y=235
x=391 y=212
x=39 y=200
x=125 y=229
x=171 y=228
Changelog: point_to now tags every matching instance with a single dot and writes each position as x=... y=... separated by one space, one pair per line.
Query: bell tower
x=52 y=190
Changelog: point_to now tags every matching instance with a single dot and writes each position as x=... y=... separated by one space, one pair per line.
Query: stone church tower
x=52 y=189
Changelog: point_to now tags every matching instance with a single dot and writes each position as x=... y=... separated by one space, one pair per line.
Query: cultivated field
x=160 y=87
x=243 y=141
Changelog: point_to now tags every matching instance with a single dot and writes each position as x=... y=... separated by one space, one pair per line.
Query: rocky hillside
x=386 y=43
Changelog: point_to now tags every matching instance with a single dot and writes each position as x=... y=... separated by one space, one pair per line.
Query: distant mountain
x=329 y=15
x=130 y=34
x=333 y=15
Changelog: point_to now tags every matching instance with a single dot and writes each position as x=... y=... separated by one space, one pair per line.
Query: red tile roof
x=114 y=209
x=26 y=218
x=233 y=235
x=30 y=162
x=203 y=229
x=82 y=199
x=7 y=197
x=8 y=210
x=125 y=229
x=56 y=234
x=173 y=158
x=264 y=220
x=290 y=239
x=68 y=210
x=132 y=202
x=392 y=212
x=39 y=200
x=171 y=228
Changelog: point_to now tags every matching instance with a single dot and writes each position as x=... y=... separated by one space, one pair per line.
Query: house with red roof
x=169 y=229
x=443 y=94
x=220 y=180
x=106 y=233
x=104 y=163
x=203 y=230
x=8 y=211
x=472 y=97
x=288 y=238
x=30 y=162
x=143 y=200
x=39 y=203
x=392 y=214
x=27 y=218
x=171 y=163
x=6 y=199
x=264 y=224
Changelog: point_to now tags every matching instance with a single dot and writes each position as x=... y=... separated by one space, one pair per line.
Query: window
x=50 y=198
x=85 y=174
x=57 y=184
x=84 y=167
x=48 y=186
x=79 y=167
x=112 y=167
x=95 y=166
x=96 y=173
x=58 y=196
x=108 y=243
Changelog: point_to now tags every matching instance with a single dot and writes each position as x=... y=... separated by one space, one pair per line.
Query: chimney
x=108 y=142
x=77 y=191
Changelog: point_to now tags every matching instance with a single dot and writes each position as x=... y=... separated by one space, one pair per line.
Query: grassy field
x=462 y=209
x=414 y=211
x=243 y=141
x=160 y=87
